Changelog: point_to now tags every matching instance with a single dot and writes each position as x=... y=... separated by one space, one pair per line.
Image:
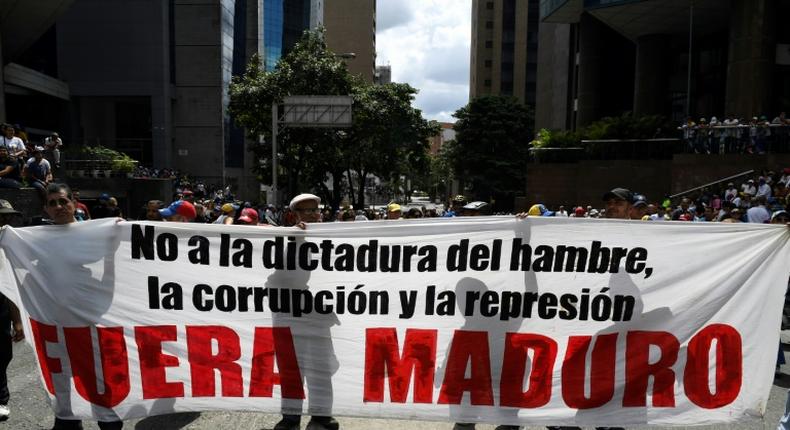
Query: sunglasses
x=58 y=202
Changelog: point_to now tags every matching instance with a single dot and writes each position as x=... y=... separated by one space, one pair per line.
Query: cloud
x=430 y=51
x=391 y=14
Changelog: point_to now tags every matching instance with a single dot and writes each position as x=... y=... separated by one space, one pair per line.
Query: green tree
x=389 y=138
x=492 y=147
x=307 y=155
x=388 y=135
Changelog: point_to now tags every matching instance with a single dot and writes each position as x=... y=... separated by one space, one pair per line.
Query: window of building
x=487 y=63
x=489 y=44
x=490 y=5
x=489 y=24
x=487 y=82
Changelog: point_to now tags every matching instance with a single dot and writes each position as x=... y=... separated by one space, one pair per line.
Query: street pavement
x=30 y=410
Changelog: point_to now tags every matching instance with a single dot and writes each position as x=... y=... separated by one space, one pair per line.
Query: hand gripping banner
x=496 y=320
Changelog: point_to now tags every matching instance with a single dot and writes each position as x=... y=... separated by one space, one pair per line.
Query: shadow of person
x=169 y=420
x=80 y=289
x=620 y=284
x=312 y=337
x=467 y=293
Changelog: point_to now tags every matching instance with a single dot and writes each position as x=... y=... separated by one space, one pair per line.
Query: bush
x=119 y=161
x=557 y=139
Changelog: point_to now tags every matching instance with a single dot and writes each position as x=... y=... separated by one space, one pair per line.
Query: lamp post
x=691 y=38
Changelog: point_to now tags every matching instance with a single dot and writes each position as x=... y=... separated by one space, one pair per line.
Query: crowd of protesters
x=737 y=135
x=754 y=199
x=763 y=198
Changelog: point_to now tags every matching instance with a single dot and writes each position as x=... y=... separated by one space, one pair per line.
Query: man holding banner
x=314 y=345
x=60 y=208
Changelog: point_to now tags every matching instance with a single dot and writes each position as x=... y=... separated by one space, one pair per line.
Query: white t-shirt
x=13 y=144
x=764 y=190
x=758 y=215
x=749 y=189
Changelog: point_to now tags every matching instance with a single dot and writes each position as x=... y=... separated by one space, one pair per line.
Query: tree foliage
x=387 y=134
x=491 y=148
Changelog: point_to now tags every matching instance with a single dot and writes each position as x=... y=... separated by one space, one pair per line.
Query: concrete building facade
x=504 y=50
x=151 y=78
x=351 y=28
x=383 y=75
x=33 y=94
x=669 y=57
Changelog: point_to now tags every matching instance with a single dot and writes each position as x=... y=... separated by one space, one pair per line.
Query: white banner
x=496 y=320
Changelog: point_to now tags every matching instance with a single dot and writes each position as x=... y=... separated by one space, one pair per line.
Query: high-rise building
x=504 y=49
x=674 y=58
x=351 y=28
x=151 y=78
x=383 y=75
x=284 y=21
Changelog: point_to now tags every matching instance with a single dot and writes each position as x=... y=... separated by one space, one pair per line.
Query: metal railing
x=722 y=180
x=736 y=139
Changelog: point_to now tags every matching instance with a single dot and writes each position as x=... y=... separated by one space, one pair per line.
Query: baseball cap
x=393 y=207
x=104 y=196
x=579 y=211
x=180 y=207
x=6 y=208
x=229 y=207
x=619 y=194
x=773 y=217
x=640 y=200
x=539 y=210
x=304 y=197
x=249 y=215
x=38 y=149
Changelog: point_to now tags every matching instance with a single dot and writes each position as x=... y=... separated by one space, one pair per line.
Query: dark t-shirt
x=100 y=211
x=14 y=174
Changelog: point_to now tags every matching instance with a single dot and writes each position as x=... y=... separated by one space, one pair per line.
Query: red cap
x=249 y=216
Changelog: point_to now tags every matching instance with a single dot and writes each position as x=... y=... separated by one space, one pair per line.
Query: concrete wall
x=584 y=183
x=110 y=49
x=351 y=27
x=198 y=111
x=554 y=77
x=751 y=56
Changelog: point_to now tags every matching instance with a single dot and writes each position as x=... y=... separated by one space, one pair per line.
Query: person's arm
x=16 y=321
x=26 y=171
x=7 y=171
x=20 y=150
x=228 y=220
x=49 y=173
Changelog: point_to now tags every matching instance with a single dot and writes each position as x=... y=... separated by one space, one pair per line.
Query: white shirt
x=764 y=190
x=749 y=189
x=13 y=144
x=758 y=215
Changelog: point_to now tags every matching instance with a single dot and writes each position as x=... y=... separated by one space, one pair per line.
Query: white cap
x=304 y=197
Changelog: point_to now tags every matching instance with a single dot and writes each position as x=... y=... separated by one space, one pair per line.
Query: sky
x=427 y=44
